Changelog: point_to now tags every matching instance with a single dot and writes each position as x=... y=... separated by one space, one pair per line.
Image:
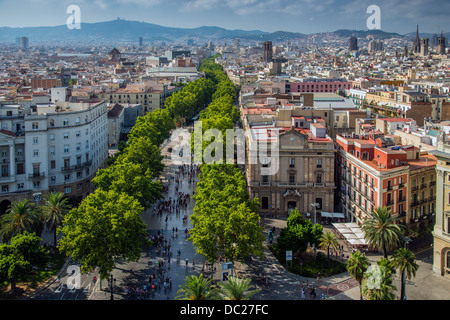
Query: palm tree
x=19 y=217
x=236 y=289
x=377 y=283
x=55 y=207
x=405 y=262
x=381 y=231
x=196 y=288
x=328 y=240
x=357 y=265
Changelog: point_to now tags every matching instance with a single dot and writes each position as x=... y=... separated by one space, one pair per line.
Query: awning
x=332 y=214
x=351 y=232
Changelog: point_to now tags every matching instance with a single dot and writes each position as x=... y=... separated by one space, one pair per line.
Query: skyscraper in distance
x=353 y=44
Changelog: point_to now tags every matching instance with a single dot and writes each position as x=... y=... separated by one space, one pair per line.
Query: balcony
x=389 y=202
x=36 y=176
x=423 y=186
x=415 y=188
x=76 y=166
x=401 y=200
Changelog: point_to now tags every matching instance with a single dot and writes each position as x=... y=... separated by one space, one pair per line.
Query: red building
x=372 y=171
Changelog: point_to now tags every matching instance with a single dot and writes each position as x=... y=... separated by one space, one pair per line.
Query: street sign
x=288 y=255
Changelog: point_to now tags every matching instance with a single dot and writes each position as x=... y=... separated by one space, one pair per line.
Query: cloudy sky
x=306 y=16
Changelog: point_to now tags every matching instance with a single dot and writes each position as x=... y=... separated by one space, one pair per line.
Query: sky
x=305 y=16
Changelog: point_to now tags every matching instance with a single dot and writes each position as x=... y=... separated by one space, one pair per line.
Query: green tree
x=378 y=283
x=142 y=151
x=105 y=227
x=55 y=207
x=19 y=257
x=236 y=289
x=381 y=231
x=196 y=288
x=328 y=240
x=405 y=262
x=130 y=178
x=224 y=220
x=357 y=265
x=21 y=216
x=299 y=232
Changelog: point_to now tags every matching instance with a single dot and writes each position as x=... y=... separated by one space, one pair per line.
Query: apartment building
x=408 y=104
x=150 y=98
x=51 y=147
x=372 y=171
x=318 y=85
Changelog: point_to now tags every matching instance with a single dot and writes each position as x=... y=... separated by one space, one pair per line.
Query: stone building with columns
x=441 y=231
x=303 y=168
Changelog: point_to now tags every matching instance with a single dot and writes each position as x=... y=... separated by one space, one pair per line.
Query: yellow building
x=149 y=99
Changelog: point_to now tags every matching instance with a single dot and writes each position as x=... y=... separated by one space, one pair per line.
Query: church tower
x=416 y=45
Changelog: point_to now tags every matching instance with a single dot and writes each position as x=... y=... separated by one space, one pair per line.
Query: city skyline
x=304 y=16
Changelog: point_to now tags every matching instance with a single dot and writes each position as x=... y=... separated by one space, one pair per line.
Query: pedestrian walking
x=303 y=293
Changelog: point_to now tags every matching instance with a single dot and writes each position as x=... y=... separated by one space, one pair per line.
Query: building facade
x=372 y=171
x=51 y=148
x=305 y=174
x=441 y=231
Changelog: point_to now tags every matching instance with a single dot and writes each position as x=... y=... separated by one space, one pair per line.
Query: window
x=265 y=203
x=78 y=133
x=35 y=140
x=20 y=186
x=35 y=125
x=5 y=188
x=77 y=121
x=319 y=163
x=292 y=162
x=52 y=164
x=67 y=189
x=67 y=177
x=65 y=122
x=79 y=186
x=52 y=123
x=78 y=146
x=291 y=178
x=66 y=135
x=36 y=184
x=319 y=178
x=52 y=151
x=35 y=153
x=52 y=137
x=53 y=178
x=66 y=149
x=20 y=168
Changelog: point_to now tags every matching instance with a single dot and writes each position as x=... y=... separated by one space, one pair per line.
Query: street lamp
x=111 y=282
x=315 y=205
x=406 y=241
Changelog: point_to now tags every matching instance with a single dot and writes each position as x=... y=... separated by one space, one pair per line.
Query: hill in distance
x=125 y=30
